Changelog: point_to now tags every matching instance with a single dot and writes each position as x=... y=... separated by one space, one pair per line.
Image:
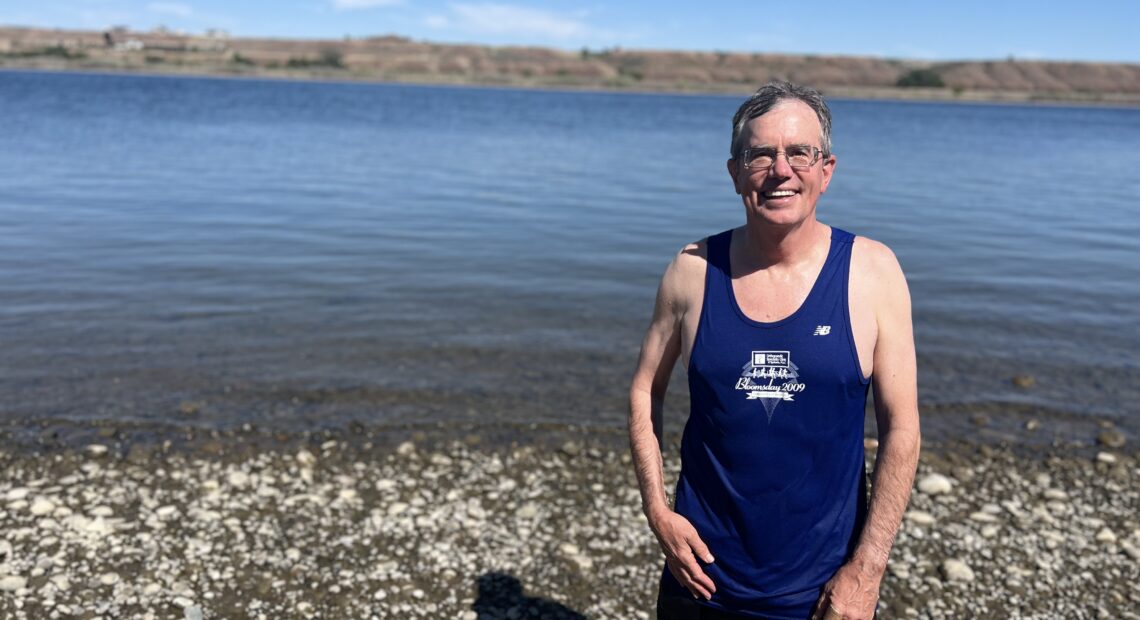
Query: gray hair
x=766 y=98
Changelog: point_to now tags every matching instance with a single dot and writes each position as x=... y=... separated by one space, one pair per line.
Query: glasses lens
x=759 y=158
x=800 y=156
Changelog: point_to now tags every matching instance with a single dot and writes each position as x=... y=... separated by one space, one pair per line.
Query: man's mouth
x=779 y=193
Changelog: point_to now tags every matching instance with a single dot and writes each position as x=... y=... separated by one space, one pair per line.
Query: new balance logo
x=822 y=330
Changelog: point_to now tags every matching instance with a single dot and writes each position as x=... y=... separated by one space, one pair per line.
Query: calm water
x=310 y=254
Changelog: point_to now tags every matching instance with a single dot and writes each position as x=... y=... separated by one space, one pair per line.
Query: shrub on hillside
x=927 y=78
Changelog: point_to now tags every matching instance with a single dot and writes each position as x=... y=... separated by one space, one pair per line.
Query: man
x=782 y=324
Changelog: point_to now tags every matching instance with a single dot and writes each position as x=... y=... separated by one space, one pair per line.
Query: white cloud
x=506 y=19
x=175 y=9
x=351 y=5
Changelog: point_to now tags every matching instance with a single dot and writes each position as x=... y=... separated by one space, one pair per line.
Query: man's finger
x=699 y=577
x=700 y=548
x=686 y=577
x=820 y=605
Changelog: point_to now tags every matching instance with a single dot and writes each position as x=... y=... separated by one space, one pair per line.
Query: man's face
x=780 y=194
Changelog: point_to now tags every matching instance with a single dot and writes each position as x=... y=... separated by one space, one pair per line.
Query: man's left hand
x=850 y=595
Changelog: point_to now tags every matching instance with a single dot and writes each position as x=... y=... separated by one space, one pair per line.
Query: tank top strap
x=830 y=291
x=719 y=270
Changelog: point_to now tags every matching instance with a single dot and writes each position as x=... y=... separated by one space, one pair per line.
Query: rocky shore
x=548 y=526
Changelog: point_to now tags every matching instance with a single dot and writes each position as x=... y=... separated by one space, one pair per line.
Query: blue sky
x=1090 y=30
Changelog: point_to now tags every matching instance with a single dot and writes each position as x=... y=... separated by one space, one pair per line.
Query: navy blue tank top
x=772 y=453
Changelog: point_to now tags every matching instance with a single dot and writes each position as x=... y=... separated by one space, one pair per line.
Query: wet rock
x=1023 y=381
x=1111 y=438
x=189 y=407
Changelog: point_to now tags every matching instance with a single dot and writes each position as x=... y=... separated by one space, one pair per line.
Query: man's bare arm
x=855 y=589
x=659 y=352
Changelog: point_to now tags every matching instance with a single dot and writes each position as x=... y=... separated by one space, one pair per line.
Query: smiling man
x=783 y=324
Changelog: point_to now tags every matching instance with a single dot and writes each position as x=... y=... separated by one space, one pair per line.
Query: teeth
x=779 y=194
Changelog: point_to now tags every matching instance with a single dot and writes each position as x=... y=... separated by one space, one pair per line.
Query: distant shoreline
x=848 y=93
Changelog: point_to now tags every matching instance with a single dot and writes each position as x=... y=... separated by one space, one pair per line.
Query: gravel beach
x=463 y=524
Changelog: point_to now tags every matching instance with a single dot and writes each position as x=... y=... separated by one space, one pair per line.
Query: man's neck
x=765 y=246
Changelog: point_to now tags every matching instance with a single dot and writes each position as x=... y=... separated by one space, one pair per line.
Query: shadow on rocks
x=501 y=596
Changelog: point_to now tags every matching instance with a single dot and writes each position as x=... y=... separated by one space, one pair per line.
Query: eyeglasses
x=798 y=156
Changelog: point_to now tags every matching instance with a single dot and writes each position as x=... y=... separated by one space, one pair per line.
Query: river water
x=303 y=254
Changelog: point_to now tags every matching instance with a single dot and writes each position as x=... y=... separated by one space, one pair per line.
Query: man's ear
x=828 y=171
x=733 y=171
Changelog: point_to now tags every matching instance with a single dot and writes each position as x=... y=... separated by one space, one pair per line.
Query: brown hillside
x=392 y=58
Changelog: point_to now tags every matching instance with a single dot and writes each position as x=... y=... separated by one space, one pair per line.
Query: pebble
x=11 y=583
x=935 y=484
x=571 y=448
x=1105 y=457
x=237 y=479
x=1111 y=438
x=385 y=484
x=61 y=582
x=41 y=506
x=919 y=517
x=956 y=570
x=1020 y=536
x=1105 y=535
x=96 y=449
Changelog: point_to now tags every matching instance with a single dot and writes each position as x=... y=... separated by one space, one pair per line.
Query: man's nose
x=780 y=167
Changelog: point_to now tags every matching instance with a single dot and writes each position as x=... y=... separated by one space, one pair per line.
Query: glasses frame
x=817 y=154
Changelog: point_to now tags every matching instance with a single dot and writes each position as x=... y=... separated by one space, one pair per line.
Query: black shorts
x=672 y=607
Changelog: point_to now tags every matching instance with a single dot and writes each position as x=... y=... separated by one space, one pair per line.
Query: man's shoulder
x=872 y=257
x=690 y=261
x=877 y=278
x=685 y=276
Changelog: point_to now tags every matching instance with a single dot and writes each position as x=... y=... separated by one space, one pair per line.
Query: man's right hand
x=682 y=546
